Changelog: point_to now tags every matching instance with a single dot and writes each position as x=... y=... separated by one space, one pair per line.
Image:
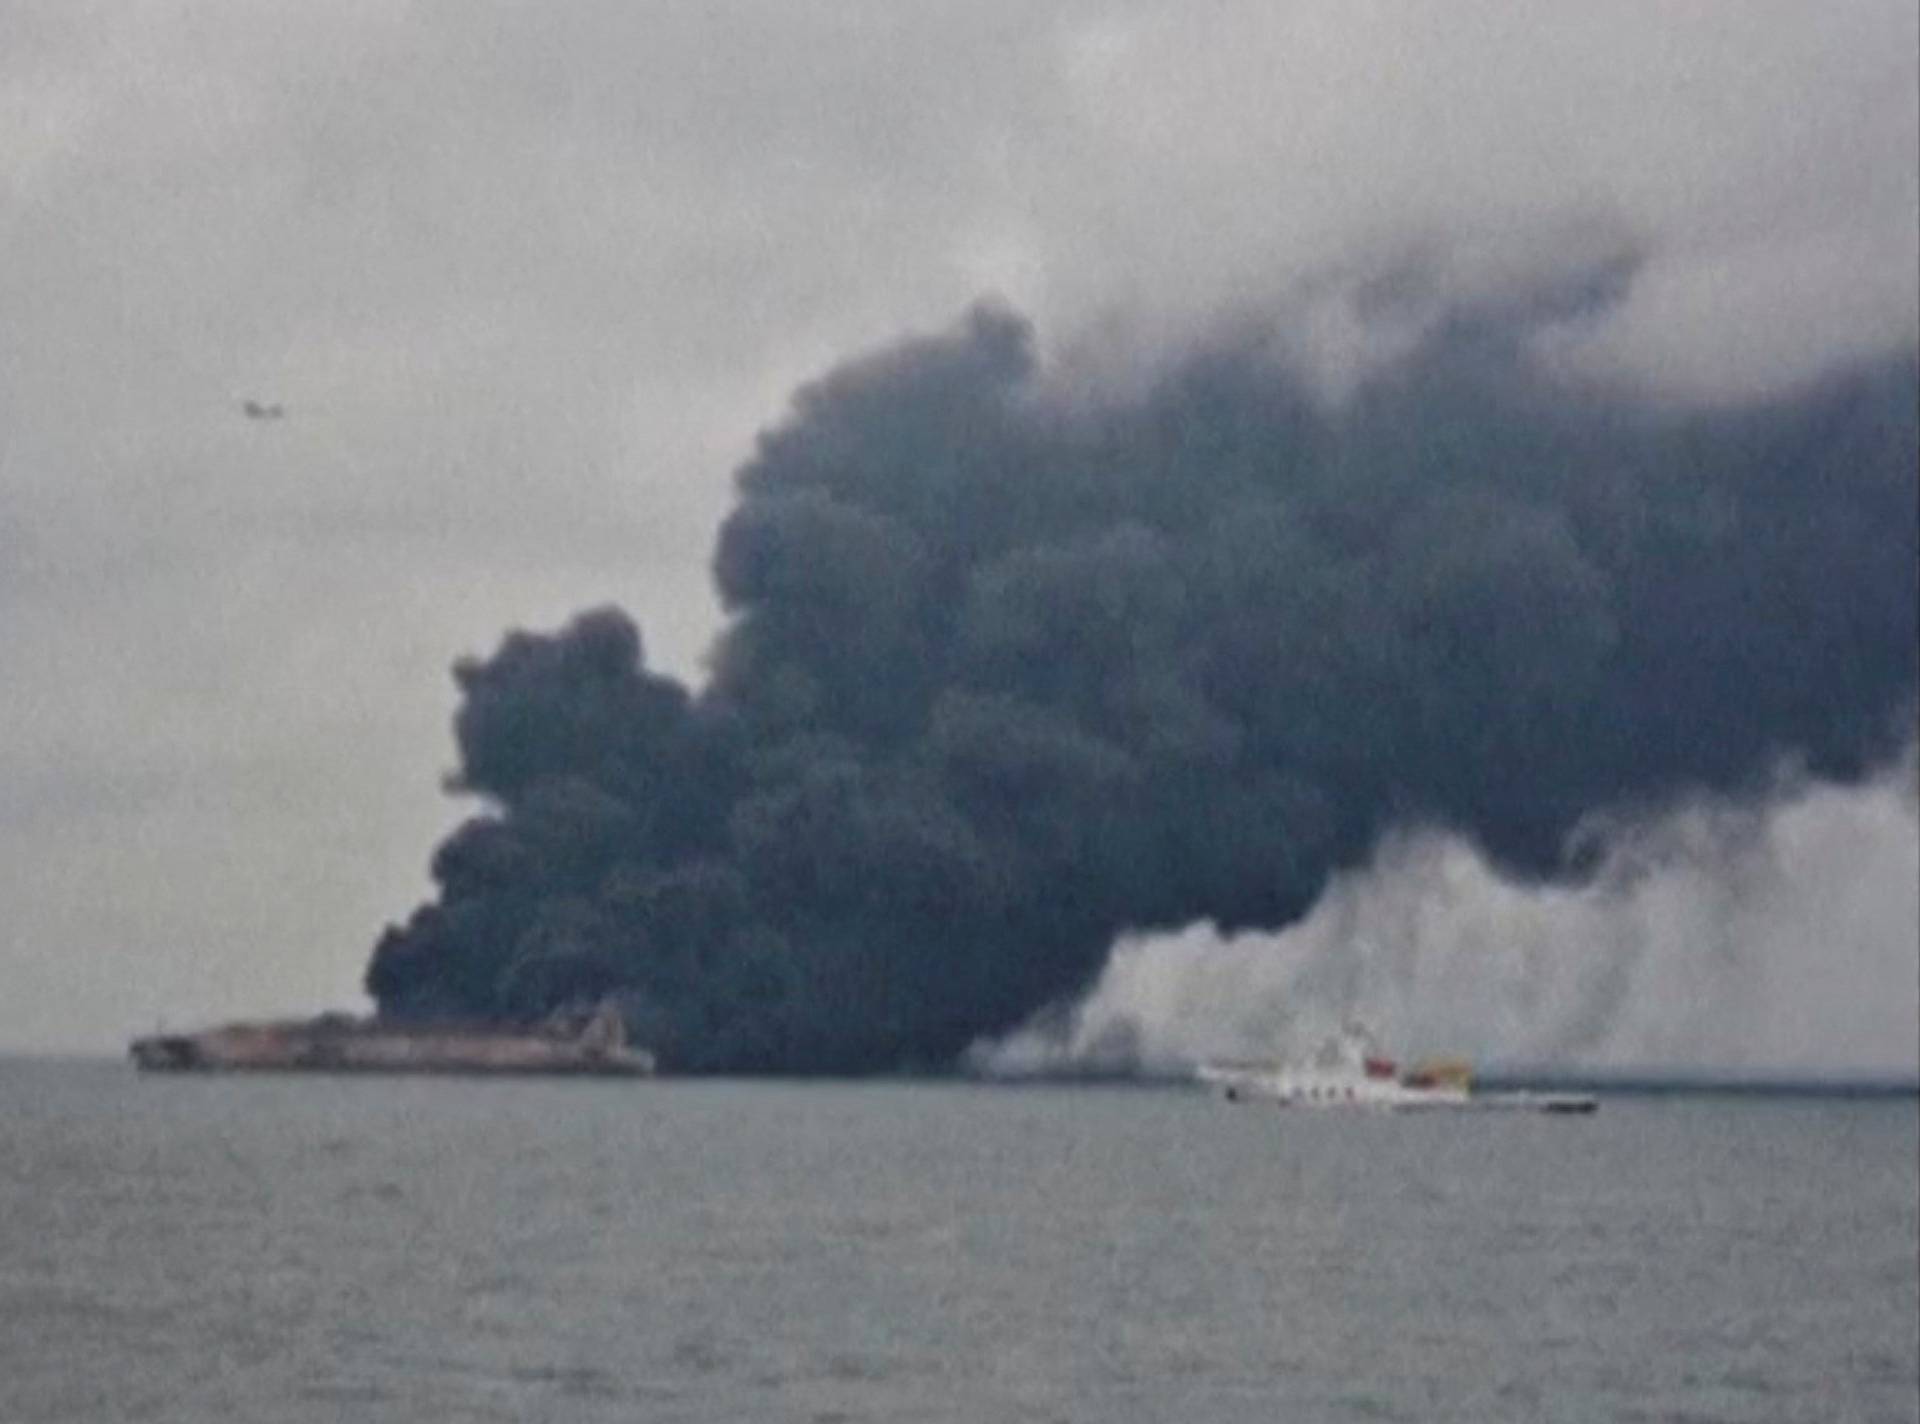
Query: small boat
x=1349 y=1072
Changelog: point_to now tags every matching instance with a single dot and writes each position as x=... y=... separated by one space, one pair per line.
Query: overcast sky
x=528 y=279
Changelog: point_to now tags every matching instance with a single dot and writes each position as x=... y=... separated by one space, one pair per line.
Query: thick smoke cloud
x=1008 y=674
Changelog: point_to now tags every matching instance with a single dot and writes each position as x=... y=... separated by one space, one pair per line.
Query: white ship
x=1349 y=1072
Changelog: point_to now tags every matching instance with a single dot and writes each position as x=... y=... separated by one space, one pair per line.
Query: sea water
x=308 y=1249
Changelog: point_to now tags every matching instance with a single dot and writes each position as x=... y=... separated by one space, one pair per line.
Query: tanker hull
x=336 y=1044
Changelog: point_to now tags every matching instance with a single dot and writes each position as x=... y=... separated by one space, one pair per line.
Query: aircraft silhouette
x=255 y=410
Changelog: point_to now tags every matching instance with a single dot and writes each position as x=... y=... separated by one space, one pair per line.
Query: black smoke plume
x=1007 y=674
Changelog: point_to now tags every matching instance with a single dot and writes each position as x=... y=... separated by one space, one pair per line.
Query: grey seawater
x=310 y=1249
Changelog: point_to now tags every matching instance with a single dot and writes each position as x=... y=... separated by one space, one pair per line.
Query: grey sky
x=529 y=279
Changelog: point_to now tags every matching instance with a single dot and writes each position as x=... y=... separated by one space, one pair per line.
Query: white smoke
x=1785 y=940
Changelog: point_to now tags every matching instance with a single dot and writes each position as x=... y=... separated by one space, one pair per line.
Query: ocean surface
x=308 y=1249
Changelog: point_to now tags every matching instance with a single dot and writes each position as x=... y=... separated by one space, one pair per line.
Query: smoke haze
x=1010 y=671
x=1775 y=940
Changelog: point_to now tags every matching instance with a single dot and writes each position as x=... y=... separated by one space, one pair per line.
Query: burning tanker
x=1007 y=673
x=566 y=1045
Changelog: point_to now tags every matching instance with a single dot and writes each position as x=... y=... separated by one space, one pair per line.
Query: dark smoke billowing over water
x=1008 y=674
